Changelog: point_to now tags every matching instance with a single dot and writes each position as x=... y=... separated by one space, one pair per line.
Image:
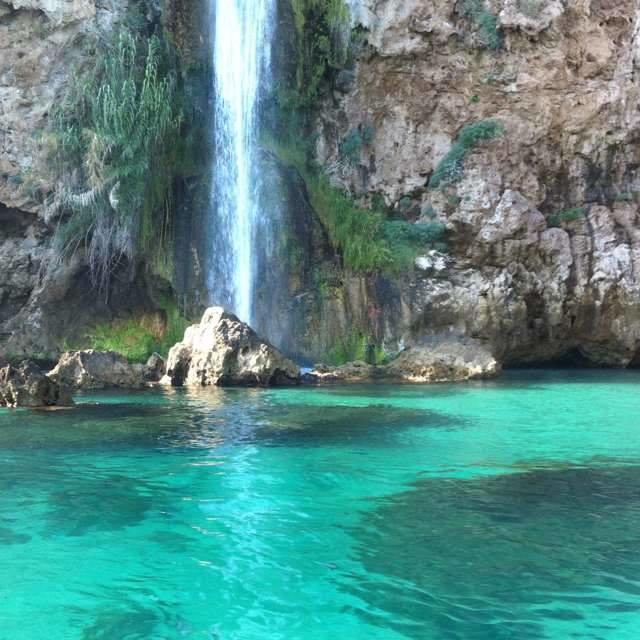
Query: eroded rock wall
x=43 y=44
x=40 y=44
x=534 y=283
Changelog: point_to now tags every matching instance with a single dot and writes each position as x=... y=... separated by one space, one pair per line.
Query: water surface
x=495 y=510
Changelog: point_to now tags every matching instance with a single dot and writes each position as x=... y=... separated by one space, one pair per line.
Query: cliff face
x=542 y=225
x=543 y=228
x=40 y=41
x=44 y=302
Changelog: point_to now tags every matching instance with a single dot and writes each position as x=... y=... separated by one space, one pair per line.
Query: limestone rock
x=444 y=360
x=223 y=351
x=532 y=16
x=357 y=371
x=447 y=361
x=534 y=283
x=565 y=88
x=434 y=262
x=59 y=11
x=27 y=386
x=92 y=369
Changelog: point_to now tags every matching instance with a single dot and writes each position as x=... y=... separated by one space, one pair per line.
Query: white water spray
x=241 y=61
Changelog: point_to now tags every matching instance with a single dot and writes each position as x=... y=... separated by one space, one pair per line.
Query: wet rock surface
x=26 y=385
x=357 y=371
x=155 y=368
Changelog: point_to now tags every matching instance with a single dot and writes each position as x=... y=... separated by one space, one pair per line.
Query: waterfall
x=241 y=61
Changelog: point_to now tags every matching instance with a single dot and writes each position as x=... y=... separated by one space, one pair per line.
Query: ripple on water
x=490 y=511
x=512 y=556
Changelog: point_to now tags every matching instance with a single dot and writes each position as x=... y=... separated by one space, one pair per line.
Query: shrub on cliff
x=115 y=136
x=566 y=215
x=323 y=45
x=350 y=147
x=485 y=22
x=451 y=167
x=135 y=338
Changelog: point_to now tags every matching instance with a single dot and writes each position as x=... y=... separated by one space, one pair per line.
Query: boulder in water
x=27 y=386
x=92 y=369
x=223 y=351
x=155 y=368
x=446 y=361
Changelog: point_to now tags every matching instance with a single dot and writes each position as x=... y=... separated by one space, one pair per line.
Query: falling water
x=241 y=61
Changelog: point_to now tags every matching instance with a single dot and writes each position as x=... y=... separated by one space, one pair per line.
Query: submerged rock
x=223 y=351
x=92 y=369
x=27 y=386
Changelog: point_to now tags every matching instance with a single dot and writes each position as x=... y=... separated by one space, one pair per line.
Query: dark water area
x=505 y=509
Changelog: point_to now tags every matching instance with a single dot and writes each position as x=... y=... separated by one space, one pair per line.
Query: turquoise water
x=484 y=511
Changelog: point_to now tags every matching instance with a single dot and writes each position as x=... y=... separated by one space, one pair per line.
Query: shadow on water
x=108 y=503
x=533 y=377
x=10 y=536
x=212 y=418
x=504 y=557
x=131 y=620
x=375 y=425
x=87 y=424
x=74 y=500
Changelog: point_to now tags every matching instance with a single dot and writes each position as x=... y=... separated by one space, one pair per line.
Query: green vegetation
x=367 y=241
x=451 y=167
x=323 y=46
x=486 y=23
x=351 y=146
x=115 y=146
x=137 y=338
x=356 y=233
x=356 y=346
x=364 y=237
x=566 y=215
x=407 y=240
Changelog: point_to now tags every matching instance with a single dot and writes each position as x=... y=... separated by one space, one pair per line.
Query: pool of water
x=494 y=510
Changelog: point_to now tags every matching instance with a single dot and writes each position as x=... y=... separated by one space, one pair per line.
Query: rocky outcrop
x=448 y=361
x=26 y=385
x=223 y=351
x=542 y=226
x=99 y=370
x=41 y=42
x=444 y=360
